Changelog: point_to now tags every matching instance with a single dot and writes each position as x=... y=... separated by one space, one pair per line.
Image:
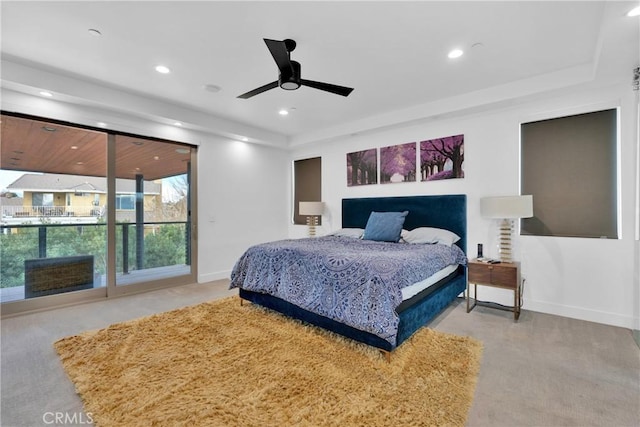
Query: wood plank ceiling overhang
x=39 y=146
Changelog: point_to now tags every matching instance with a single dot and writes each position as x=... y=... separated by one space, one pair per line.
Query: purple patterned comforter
x=355 y=282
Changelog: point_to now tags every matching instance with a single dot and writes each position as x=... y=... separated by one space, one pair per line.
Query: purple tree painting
x=398 y=163
x=442 y=158
x=362 y=167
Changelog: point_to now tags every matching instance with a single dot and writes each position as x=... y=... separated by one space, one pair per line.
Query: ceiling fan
x=289 y=78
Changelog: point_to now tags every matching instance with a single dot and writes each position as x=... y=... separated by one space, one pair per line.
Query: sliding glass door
x=152 y=215
x=87 y=214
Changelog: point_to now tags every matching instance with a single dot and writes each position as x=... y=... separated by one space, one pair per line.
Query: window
x=569 y=165
x=42 y=199
x=125 y=202
x=307 y=185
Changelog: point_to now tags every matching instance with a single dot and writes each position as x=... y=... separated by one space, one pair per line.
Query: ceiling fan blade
x=259 y=90
x=278 y=49
x=328 y=87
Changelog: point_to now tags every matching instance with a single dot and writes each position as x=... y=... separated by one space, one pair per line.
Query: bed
x=349 y=291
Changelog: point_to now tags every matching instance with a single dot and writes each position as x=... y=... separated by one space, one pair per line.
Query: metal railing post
x=125 y=248
x=139 y=222
x=42 y=242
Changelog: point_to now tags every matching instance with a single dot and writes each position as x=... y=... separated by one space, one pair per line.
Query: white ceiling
x=393 y=53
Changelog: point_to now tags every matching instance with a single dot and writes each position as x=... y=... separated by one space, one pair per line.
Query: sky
x=7 y=177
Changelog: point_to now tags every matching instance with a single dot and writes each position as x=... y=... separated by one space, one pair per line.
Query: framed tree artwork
x=398 y=163
x=362 y=167
x=442 y=158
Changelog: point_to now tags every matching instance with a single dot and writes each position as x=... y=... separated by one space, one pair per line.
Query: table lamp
x=506 y=208
x=312 y=210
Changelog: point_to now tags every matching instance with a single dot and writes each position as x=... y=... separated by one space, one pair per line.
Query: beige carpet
x=222 y=364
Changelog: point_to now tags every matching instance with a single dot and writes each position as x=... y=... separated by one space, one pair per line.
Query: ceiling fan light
x=290 y=85
x=290 y=79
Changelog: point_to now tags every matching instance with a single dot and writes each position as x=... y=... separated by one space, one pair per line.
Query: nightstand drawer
x=494 y=274
x=479 y=273
x=504 y=276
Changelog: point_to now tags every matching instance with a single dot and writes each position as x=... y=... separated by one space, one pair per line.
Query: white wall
x=242 y=193
x=589 y=279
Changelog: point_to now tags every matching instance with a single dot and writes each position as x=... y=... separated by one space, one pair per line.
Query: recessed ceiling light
x=49 y=129
x=162 y=69
x=102 y=124
x=455 y=53
x=634 y=12
x=74 y=147
x=94 y=32
x=283 y=112
x=244 y=139
x=156 y=157
x=45 y=93
x=177 y=124
x=182 y=150
x=79 y=163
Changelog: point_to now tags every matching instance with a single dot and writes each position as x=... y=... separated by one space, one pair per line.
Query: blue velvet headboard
x=446 y=211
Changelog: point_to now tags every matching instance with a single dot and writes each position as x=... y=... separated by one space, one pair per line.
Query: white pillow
x=355 y=233
x=430 y=235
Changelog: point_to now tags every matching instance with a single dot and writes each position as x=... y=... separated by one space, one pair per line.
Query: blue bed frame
x=446 y=211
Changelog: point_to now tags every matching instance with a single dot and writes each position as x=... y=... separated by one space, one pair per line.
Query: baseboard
x=613 y=319
x=210 y=277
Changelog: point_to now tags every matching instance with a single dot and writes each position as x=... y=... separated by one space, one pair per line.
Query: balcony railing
x=164 y=245
x=52 y=211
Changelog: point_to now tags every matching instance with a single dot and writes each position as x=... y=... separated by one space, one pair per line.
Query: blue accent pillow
x=384 y=226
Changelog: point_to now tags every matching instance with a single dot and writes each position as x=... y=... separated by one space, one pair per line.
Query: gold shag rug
x=223 y=364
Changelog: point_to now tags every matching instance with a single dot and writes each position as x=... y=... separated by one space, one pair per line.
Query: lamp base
x=504 y=239
x=312 y=222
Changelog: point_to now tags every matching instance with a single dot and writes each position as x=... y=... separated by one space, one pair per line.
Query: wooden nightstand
x=503 y=275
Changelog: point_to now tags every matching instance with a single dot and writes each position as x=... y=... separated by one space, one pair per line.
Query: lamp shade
x=507 y=207
x=311 y=208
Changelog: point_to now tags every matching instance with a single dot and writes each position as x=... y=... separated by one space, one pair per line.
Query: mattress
x=418 y=287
